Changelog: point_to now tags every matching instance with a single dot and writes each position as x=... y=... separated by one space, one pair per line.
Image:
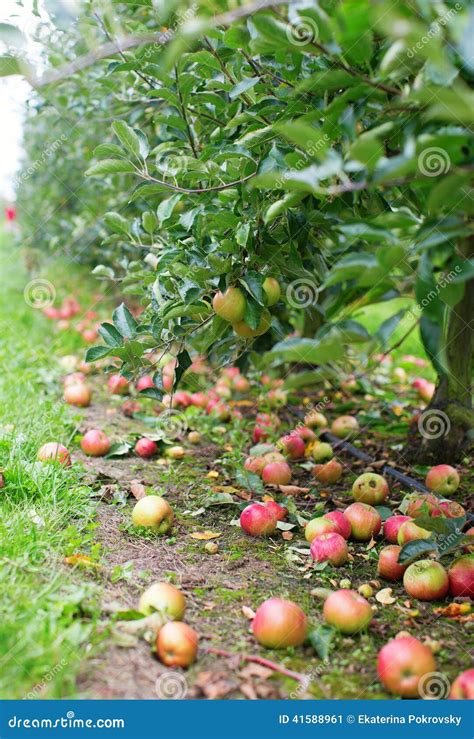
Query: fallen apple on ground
x=388 y=567
x=330 y=548
x=79 y=394
x=365 y=521
x=443 y=479
x=276 y=473
x=463 y=686
x=117 y=384
x=347 y=611
x=54 y=452
x=342 y=523
x=146 y=448
x=95 y=443
x=177 y=644
x=426 y=580
x=345 y=426
x=280 y=512
x=165 y=598
x=370 y=488
x=392 y=526
x=322 y=452
x=328 y=473
x=315 y=419
x=461 y=577
x=258 y=520
x=153 y=512
x=279 y=623
x=292 y=445
x=410 y=531
x=318 y=526
x=401 y=665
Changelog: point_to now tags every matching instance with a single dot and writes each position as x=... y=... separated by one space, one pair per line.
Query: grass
x=45 y=511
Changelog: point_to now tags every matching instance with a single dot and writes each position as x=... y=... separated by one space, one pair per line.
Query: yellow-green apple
x=276 y=473
x=461 y=576
x=175 y=452
x=330 y=548
x=322 y=451
x=177 y=644
x=165 y=598
x=117 y=384
x=271 y=288
x=79 y=394
x=443 y=479
x=243 y=329
x=279 y=623
x=426 y=580
x=463 y=686
x=410 y=531
x=370 y=488
x=54 y=452
x=347 y=611
x=315 y=419
x=402 y=663
x=292 y=445
x=145 y=448
x=95 y=443
x=153 y=512
x=365 y=521
x=194 y=437
x=388 y=567
x=392 y=526
x=345 y=426
x=258 y=520
x=329 y=472
x=318 y=526
x=342 y=523
x=230 y=305
x=274 y=457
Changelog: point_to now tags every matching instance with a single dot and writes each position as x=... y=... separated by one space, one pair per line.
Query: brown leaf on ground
x=205 y=535
x=286 y=535
x=214 y=685
x=249 y=691
x=254 y=670
x=137 y=489
x=2 y=479
x=293 y=490
x=454 y=610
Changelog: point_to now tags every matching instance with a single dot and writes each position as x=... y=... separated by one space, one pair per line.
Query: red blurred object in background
x=10 y=213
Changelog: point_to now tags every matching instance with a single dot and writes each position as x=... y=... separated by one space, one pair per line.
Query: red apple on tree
x=370 y=488
x=145 y=382
x=443 y=479
x=330 y=548
x=461 y=577
x=426 y=580
x=279 y=623
x=177 y=644
x=392 y=526
x=365 y=521
x=388 y=567
x=402 y=663
x=347 y=611
x=95 y=443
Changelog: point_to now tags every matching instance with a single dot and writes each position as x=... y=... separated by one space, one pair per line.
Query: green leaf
x=416 y=549
x=309 y=351
x=119 y=449
x=166 y=207
x=116 y=223
x=110 y=335
x=124 y=322
x=248 y=481
x=321 y=640
x=243 y=86
x=110 y=166
x=152 y=392
x=97 y=352
x=9 y=65
x=128 y=138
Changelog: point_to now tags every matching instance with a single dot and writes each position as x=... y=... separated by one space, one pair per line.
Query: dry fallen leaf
x=254 y=670
x=248 y=613
x=212 y=474
x=286 y=535
x=292 y=490
x=385 y=597
x=224 y=489
x=454 y=610
x=205 y=535
x=80 y=559
x=137 y=489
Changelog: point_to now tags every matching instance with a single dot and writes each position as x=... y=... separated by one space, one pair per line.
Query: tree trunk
x=441 y=433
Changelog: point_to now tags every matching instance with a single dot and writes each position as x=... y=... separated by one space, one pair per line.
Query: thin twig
x=258 y=661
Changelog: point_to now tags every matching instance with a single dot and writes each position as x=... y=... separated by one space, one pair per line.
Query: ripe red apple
x=328 y=473
x=469 y=547
x=292 y=445
x=78 y=394
x=74 y=378
x=365 y=521
x=345 y=426
x=255 y=465
x=423 y=504
x=117 y=384
x=443 y=479
x=130 y=407
x=230 y=305
x=463 y=686
x=243 y=329
x=388 y=566
x=279 y=623
x=461 y=577
x=259 y=434
x=177 y=644
x=95 y=443
x=165 y=598
x=264 y=419
x=315 y=419
x=241 y=385
x=54 y=452
x=200 y=400
x=342 y=523
x=277 y=398
x=410 y=531
x=181 y=399
x=322 y=451
x=426 y=580
x=90 y=335
x=145 y=448
x=451 y=509
x=274 y=457
x=144 y=382
x=220 y=411
x=370 y=488
x=276 y=473
x=258 y=520
x=231 y=372
x=153 y=512
x=280 y=512
x=401 y=664
x=272 y=291
x=306 y=433
x=392 y=526
x=318 y=526
x=330 y=548
x=347 y=611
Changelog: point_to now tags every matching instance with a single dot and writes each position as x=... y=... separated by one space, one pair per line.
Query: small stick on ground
x=259 y=661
